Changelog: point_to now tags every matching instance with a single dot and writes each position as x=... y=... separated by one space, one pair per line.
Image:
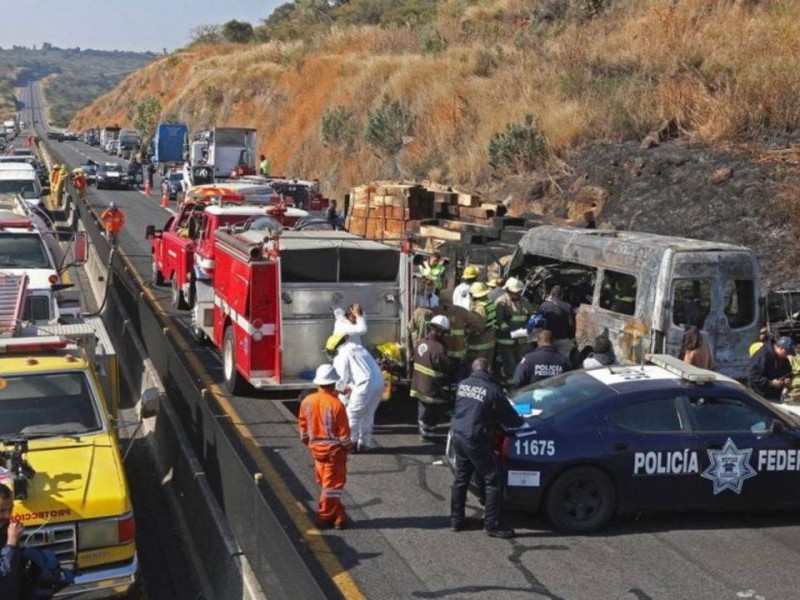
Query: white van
x=19 y=178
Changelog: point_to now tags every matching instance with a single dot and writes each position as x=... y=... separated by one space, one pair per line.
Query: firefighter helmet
x=471 y=272
x=514 y=285
x=479 y=290
x=441 y=322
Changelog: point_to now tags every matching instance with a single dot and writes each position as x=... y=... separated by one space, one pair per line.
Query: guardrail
x=244 y=529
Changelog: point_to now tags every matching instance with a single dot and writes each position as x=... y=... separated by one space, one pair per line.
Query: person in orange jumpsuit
x=324 y=429
x=113 y=221
x=79 y=182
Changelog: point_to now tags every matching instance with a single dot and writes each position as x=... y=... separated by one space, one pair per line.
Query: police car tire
x=591 y=489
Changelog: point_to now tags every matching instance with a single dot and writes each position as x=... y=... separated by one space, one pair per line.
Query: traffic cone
x=147 y=188
x=164 y=200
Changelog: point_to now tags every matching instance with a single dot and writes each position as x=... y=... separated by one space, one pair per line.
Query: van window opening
x=541 y=273
x=618 y=292
x=691 y=302
x=740 y=302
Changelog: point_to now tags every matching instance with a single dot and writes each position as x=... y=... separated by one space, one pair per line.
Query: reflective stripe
x=484 y=346
x=427 y=371
x=519 y=318
x=491 y=314
x=266 y=329
x=506 y=342
x=456 y=332
x=424 y=398
x=458 y=353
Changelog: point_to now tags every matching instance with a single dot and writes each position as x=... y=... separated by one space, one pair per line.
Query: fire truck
x=272 y=310
x=59 y=450
x=183 y=251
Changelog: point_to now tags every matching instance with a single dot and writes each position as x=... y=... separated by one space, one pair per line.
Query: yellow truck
x=59 y=448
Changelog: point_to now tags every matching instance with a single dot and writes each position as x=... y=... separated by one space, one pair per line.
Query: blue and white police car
x=660 y=436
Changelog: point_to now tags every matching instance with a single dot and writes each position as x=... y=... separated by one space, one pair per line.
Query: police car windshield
x=557 y=394
x=47 y=404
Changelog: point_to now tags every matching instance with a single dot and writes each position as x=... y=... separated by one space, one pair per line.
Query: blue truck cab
x=168 y=145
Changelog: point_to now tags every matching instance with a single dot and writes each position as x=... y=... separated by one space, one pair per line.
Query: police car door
x=745 y=461
x=649 y=443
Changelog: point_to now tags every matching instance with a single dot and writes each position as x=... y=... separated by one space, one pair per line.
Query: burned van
x=644 y=290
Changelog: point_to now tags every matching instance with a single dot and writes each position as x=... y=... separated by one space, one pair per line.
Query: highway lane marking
x=297 y=511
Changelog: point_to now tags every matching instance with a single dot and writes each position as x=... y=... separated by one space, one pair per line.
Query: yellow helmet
x=479 y=290
x=390 y=350
x=334 y=341
x=470 y=272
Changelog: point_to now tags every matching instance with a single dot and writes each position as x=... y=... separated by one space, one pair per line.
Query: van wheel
x=158 y=276
x=176 y=298
x=581 y=500
x=234 y=382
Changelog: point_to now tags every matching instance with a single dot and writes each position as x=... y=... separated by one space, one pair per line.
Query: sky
x=138 y=25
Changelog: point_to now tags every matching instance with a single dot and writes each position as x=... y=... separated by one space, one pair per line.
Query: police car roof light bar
x=683 y=370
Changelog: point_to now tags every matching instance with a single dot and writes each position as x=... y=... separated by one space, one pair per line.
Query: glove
x=519 y=333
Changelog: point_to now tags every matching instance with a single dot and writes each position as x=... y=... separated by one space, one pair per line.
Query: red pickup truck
x=183 y=251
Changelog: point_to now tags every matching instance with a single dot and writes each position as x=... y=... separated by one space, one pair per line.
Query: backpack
x=43 y=576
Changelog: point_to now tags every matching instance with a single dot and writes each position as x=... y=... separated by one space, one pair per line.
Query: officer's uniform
x=511 y=315
x=479 y=405
x=542 y=363
x=463 y=322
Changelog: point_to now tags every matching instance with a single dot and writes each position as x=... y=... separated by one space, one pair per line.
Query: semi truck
x=168 y=145
x=107 y=134
x=129 y=143
x=231 y=151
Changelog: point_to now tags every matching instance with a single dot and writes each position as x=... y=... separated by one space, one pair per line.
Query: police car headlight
x=102 y=533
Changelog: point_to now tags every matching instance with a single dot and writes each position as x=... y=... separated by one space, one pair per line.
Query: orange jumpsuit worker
x=79 y=182
x=113 y=221
x=324 y=429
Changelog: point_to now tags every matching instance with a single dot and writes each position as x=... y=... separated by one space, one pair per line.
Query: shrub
x=434 y=42
x=213 y=95
x=337 y=127
x=387 y=127
x=520 y=148
x=485 y=63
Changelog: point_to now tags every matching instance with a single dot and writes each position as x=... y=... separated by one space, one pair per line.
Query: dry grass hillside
x=725 y=71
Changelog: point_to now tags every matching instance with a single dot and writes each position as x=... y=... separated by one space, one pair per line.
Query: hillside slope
x=726 y=73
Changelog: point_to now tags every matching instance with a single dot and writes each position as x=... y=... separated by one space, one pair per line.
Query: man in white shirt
x=426 y=298
x=461 y=292
x=350 y=322
x=360 y=387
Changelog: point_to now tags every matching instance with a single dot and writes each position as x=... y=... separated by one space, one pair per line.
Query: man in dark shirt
x=558 y=315
x=10 y=554
x=770 y=371
x=479 y=405
x=542 y=363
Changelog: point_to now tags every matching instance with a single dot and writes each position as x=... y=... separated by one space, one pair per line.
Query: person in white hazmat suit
x=350 y=322
x=360 y=387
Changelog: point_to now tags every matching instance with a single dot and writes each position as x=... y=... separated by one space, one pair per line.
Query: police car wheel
x=580 y=500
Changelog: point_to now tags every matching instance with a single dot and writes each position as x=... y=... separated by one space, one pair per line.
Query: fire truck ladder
x=12 y=302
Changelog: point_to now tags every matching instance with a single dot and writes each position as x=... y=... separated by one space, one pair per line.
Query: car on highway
x=112 y=176
x=89 y=169
x=661 y=436
x=174 y=183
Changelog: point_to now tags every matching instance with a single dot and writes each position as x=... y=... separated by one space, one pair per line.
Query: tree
x=206 y=34
x=238 y=32
x=145 y=116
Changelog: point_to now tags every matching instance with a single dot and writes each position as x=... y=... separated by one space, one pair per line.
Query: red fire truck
x=183 y=251
x=269 y=307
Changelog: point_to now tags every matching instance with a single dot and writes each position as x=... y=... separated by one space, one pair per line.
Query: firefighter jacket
x=416 y=327
x=542 y=363
x=323 y=424
x=483 y=341
x=512 y=315
x=113 y=220
x=463 y=323
x=432 y=371
x=479 y=405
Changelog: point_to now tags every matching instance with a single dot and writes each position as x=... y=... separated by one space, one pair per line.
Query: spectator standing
x=695 y=351
x=770 y=371
x=560 y=320
x=324 y=429
x=542 y=363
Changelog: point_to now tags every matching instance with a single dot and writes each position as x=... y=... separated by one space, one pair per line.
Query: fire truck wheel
x=176 y=299
x=190 y=300
x=158 y=276
x=234 y=382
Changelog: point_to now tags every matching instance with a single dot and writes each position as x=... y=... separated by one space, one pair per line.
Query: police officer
x=542 y=363
x=479 y=404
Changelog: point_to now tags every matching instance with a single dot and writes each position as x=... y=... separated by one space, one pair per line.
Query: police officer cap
x=786 y=343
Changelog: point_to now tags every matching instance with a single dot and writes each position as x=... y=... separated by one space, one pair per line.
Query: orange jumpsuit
x=113 y=220
x=79 y=183
x=325 y=430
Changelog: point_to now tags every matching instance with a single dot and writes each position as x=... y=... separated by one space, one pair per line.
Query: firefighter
x=497 y=290
x=433 y=268
x=360 y=386
x=324 y=429
x=417 y=327
x=79 y=183
x=482 y=343
x=463 y=322
x=264 y=166
x=461 y=292
x=113 y=221
x=479 y=405
x=351 y=322
x=431 y=377
x=61 y=182
x=54 y=174
x=513 y=312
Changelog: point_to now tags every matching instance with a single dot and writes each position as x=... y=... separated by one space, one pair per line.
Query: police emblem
x=729 y=468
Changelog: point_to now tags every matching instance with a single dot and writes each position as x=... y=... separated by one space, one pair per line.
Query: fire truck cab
x=269 y=307
x=183 y=252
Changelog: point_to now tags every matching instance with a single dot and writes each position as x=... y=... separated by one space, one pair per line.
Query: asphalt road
x=399 y=545
x=165 y=569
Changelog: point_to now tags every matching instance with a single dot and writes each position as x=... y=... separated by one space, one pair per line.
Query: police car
x=660 y=436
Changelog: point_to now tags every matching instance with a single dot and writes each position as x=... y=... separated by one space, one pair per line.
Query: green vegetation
x=145 y=116
x=76 y=77
x=388 y=126
x=337 y=127
x=518 y=149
